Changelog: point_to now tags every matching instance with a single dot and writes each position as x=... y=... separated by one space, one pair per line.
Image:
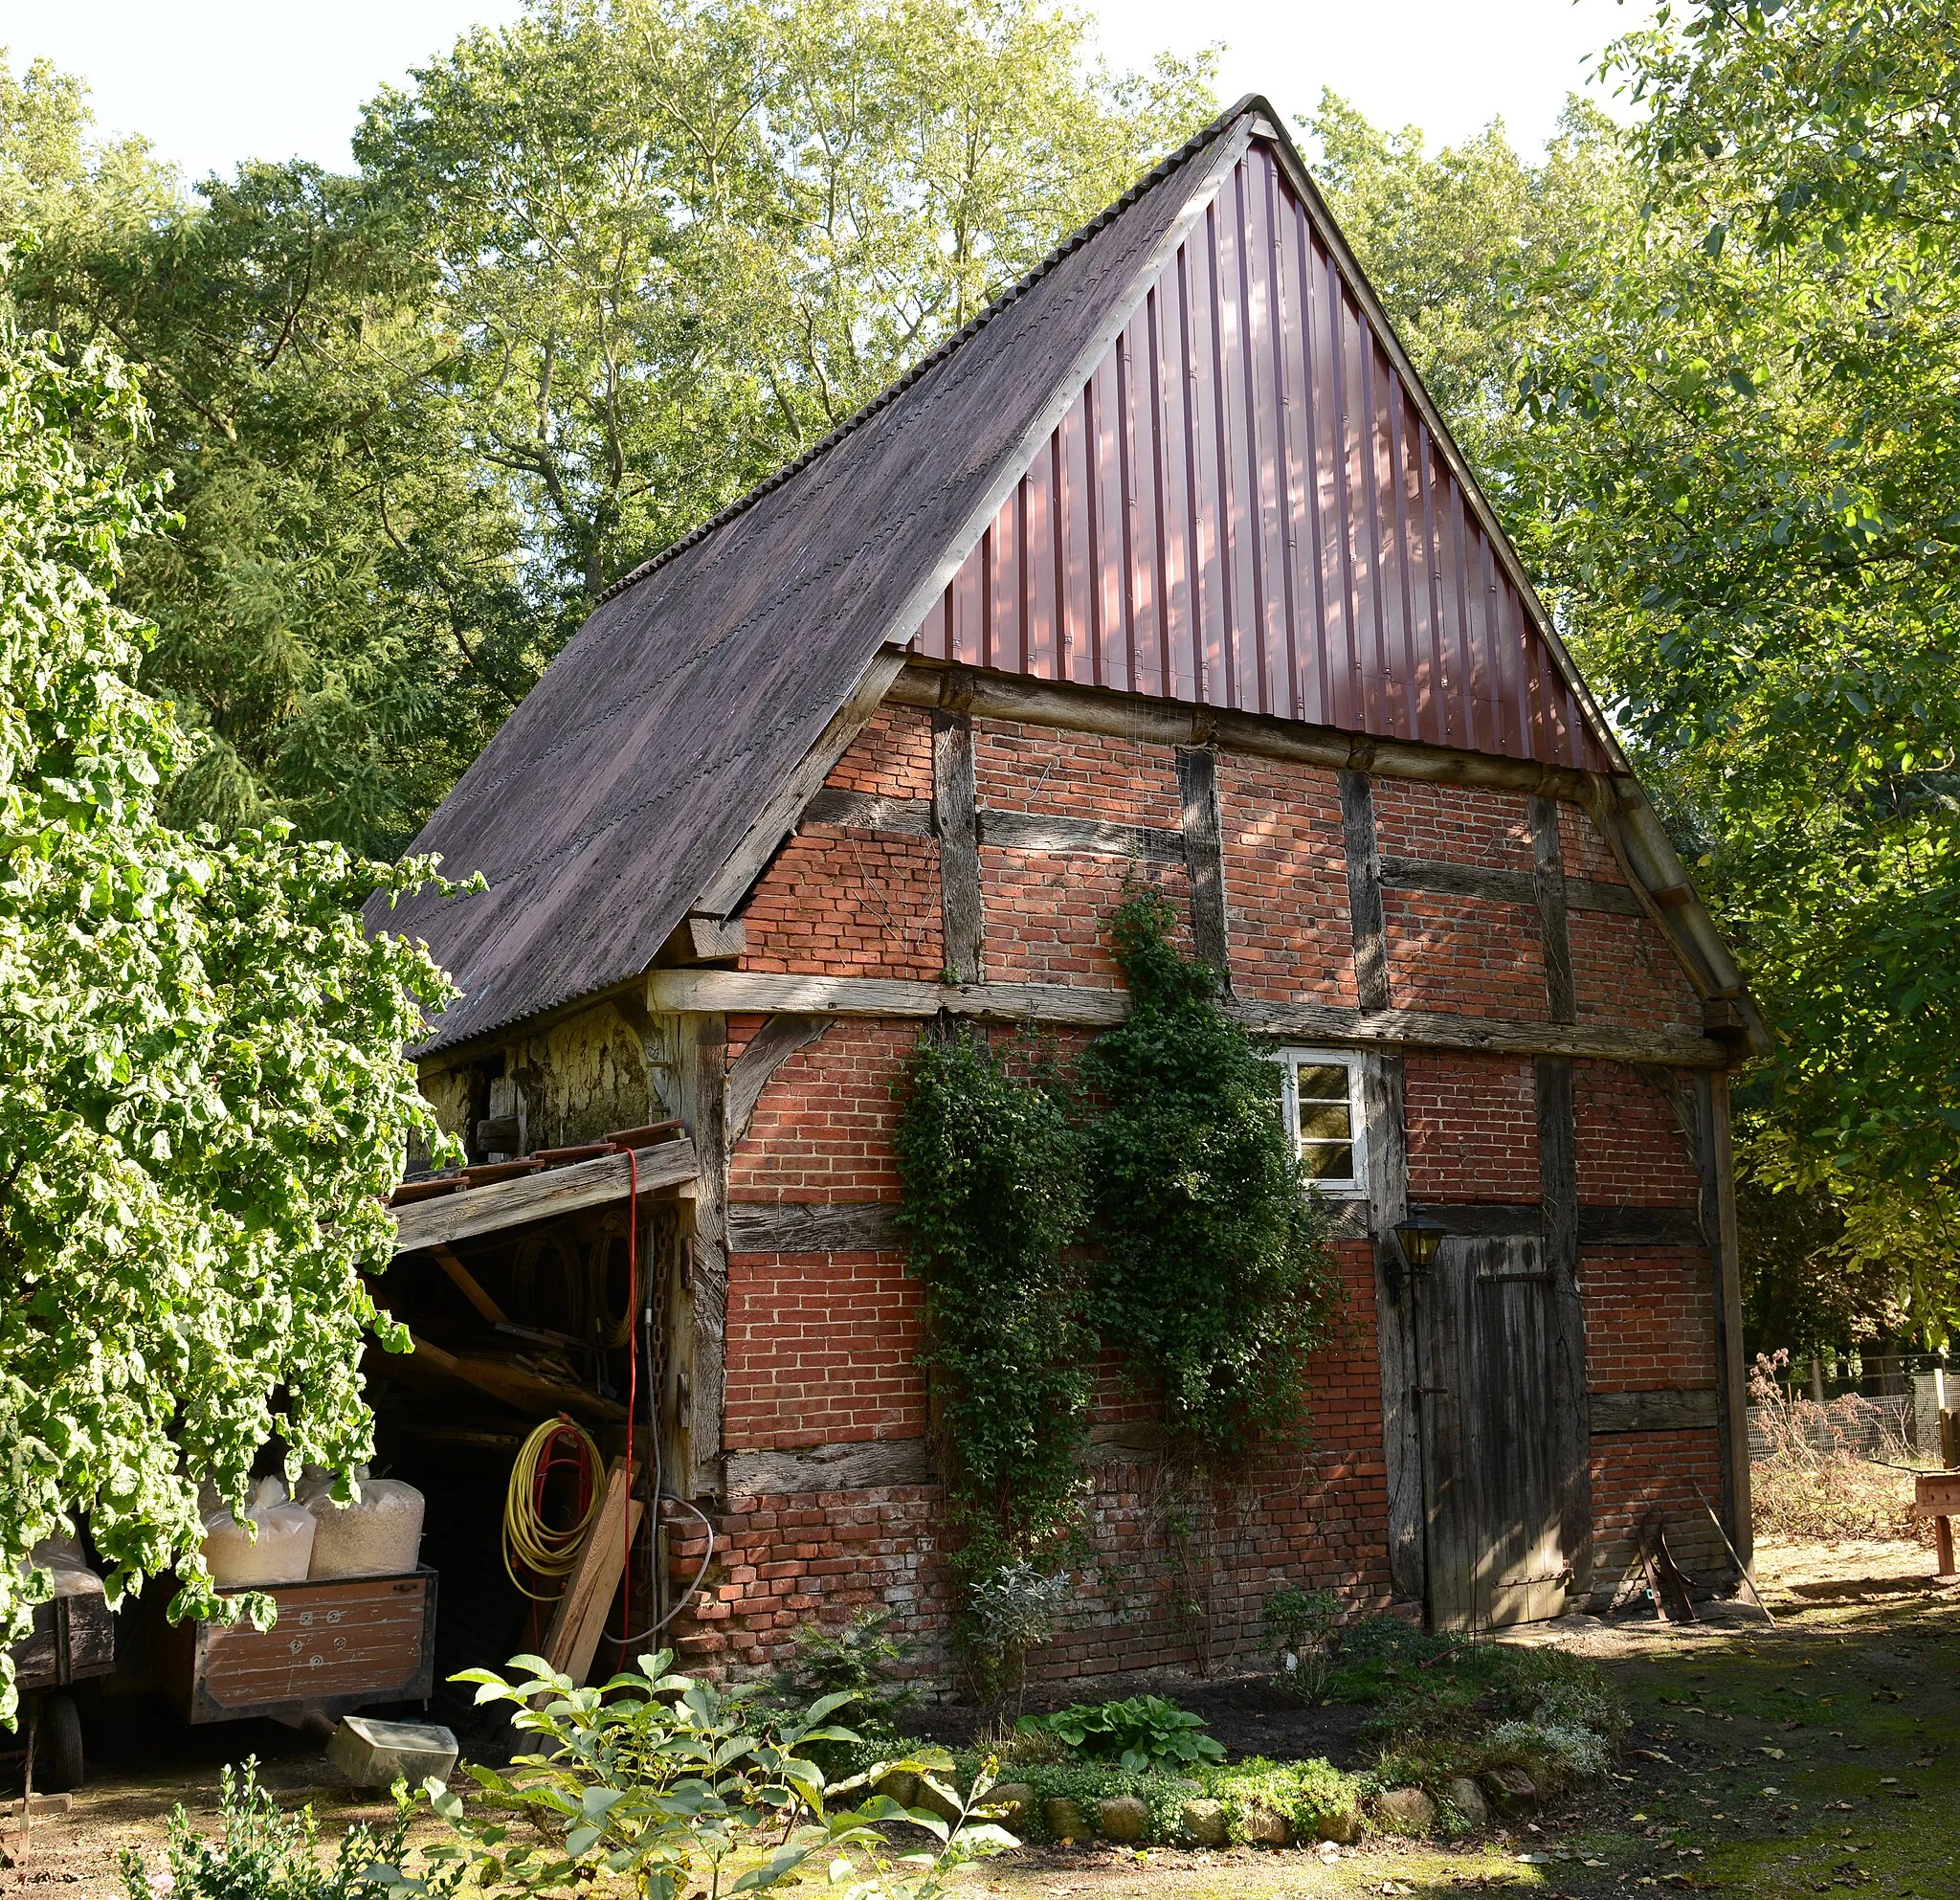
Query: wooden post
x=1717 y=1158
x=1558 y=1187
x=1388 y=1206
x=1394 y=1329
x=1365 y=892
x=955 y=822
x=699 y=1378
x=1554 y=935
x=1204 y=855
x=578 y=1622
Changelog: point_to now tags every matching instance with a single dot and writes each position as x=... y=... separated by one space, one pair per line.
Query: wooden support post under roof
x=705 y=1107
x=1716 y=1160
x=1558 y=1183
x=1555 y=933
x=1388 y=1206
x=1369 y=924
x=1204 y=856
x=955 y=823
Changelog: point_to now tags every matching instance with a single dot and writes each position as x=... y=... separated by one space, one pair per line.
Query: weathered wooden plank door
x=1485 y=1328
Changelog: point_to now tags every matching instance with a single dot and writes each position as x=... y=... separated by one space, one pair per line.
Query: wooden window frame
x=1292 y=1059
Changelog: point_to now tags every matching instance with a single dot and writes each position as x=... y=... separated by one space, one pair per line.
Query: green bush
x=1482 y=1706
x=1306 y=1791
x=857 y=1660
x=648 y=1785
x=1142 y=1733
x=260 y=1853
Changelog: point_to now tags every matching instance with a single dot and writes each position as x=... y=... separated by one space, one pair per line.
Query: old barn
x=1165 y=565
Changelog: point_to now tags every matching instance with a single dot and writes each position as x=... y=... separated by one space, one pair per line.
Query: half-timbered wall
x=828 y=1497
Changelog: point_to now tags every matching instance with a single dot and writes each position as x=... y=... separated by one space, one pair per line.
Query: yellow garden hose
x=543 y=1552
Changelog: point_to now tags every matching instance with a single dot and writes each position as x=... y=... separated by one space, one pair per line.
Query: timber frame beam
x=734 y=992
x=1658 y=883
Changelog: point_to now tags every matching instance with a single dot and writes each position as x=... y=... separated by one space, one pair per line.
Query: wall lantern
x=1420 y=1238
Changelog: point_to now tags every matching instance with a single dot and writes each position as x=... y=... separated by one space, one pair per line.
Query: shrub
x=652 y=1782
x=1572 y=1752
x=1216 y=1277
x=260 y=1853
x=1302 y=1628
x=1306 y=1791
x=1823 y=1479
x=859 y=1661
x=1142 y=1733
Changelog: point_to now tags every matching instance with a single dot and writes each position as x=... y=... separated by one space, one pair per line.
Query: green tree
x=1729 y=461
x=337 y=608
x=206 y=1102
x=680 y=239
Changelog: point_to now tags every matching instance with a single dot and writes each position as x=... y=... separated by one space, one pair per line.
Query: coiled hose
x=543 y=1551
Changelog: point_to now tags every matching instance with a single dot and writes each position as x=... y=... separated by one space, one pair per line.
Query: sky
x=211 y=82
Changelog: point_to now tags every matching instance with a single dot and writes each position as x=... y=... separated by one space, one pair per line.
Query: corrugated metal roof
x=632 y=769
x=1249 y=504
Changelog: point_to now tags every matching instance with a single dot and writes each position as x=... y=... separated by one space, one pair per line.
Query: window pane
x=1328 y=1161
x=1322 y=1082
x=1324 y=1121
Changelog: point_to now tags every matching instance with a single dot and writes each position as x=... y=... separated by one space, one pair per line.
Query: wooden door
x=1485 y=1328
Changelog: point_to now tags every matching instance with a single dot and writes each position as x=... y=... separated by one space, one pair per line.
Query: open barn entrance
x=1485 y=1341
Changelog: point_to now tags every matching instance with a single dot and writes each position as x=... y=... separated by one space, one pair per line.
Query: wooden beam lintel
x=763 y=994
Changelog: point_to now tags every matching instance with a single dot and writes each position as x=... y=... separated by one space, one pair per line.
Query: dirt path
x=1822 y=1755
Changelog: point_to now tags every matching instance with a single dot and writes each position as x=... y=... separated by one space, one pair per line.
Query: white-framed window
x=1322 y=1094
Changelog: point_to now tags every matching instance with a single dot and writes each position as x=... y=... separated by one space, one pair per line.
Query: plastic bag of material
x=281 y=1552
x=380 y=1535
x=67 y=1568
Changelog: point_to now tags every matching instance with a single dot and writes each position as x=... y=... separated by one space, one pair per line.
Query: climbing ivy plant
x=989 y=1161
x=1151 y=1201
x=1212 y=1271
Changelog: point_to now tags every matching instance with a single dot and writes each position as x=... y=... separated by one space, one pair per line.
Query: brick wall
x=1463 y=954
x=1048 y=914
x=1586 y=854
x=1635 y=1473
x=1632 y=1152
x=1077 y=774
x=1650 y=1318
x=822 y=1348
x=823 y=1127
x=1286 y=882
x=847 y=903
x=1473 y=1126
x=821 y=1339
x=890 y=758
x=1453 y=823
x=1624 y=973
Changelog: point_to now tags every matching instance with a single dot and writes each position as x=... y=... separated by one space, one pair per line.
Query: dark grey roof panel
x=612 y=795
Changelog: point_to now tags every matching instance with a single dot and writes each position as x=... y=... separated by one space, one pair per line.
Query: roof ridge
x=1170 y=162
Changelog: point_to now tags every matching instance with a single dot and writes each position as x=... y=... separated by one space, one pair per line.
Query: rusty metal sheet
x=1247 y=507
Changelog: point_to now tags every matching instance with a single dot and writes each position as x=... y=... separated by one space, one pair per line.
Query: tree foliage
x=597 y=273
x=1730 y=457
x=206 y=1102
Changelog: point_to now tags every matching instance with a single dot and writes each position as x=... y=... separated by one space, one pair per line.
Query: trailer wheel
x=58 y=1763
